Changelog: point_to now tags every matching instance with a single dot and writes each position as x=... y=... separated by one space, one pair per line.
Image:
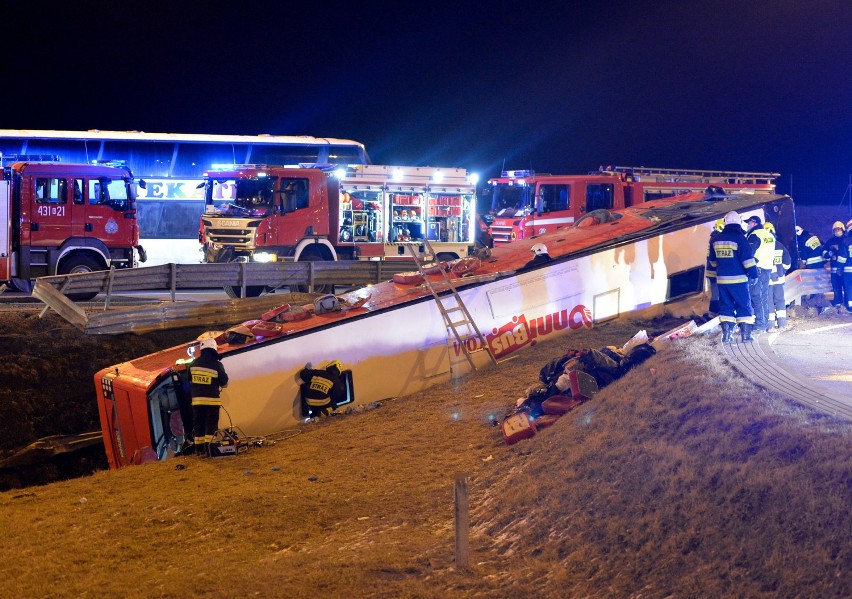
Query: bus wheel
x=77 y=264
x=251 y=291
x=311 y=256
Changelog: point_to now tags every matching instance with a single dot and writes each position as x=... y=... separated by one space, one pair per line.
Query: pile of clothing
x=570 y=380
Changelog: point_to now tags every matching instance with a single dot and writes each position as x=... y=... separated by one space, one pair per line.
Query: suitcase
x=408 y=278
x=583 y=385
x=518 y=427
x=545 y=420
x=557 y=405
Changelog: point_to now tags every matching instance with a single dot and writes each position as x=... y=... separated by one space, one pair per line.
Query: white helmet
x=195 y=348
x=539 y=249
x=732 y=218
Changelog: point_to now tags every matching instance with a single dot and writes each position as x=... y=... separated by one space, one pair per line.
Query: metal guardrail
x=172 y=277
x=805 y=282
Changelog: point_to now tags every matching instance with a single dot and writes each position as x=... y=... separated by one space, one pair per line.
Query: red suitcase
x=518 y=427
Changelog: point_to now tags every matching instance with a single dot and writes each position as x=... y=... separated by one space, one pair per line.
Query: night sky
x=747 y=85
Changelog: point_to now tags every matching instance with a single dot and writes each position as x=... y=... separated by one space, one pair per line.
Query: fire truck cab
x=65 y=218
x=525 y=203
x=265 y=213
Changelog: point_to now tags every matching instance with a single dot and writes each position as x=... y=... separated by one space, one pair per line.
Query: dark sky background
x=559 y=87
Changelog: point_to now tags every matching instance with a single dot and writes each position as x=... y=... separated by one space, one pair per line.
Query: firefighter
x=847 y=269
x=321 y=389
x=836 y=251
x=809 y=248
x=713 y=308
x=207 y=378
x=763 y=245
x=732 y=264
x=540 y=255
x=782 y=262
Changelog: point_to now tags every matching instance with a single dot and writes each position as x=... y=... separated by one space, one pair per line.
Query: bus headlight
x=264 y=257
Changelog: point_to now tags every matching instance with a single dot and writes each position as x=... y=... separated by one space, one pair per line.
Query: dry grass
x=687 y=482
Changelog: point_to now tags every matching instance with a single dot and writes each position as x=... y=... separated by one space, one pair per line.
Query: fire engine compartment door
x=48 y=209
x=5 y=232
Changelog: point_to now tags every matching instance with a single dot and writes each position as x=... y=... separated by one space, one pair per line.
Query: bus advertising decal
x=519 y=333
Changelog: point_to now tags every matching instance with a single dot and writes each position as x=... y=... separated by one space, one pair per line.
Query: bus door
x=49 y=211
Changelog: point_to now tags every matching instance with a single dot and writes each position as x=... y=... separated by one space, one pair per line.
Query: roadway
x=817 y=349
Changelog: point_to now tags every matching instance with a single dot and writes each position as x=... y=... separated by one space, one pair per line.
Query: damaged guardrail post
x=61 y=304
x=462 y=522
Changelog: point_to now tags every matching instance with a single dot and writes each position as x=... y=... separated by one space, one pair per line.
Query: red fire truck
x=60 y=218
x=525 y=203
x=260 y=213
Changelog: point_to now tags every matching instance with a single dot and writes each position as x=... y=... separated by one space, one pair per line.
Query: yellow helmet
x=769 y=227
x=720 y=224
x=838 y=225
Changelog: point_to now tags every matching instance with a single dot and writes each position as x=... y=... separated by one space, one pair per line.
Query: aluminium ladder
x=468 y=327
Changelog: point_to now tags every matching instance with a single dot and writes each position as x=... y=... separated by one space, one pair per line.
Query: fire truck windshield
x=248 y=197
x=510 y=200
x=119 y=194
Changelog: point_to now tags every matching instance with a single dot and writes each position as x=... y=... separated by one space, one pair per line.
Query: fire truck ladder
x=463 y=329
x=687 y=175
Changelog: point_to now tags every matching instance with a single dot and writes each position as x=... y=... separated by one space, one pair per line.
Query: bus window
x=342 y=155
x=145 y=158
x=282 y=155
x=70 y=150
x=193 y=159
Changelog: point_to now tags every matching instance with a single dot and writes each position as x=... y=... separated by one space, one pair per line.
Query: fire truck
x=525 y=203
x=260 y=213
x=65 y=218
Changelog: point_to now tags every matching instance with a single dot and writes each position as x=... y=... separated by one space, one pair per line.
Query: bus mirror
x=200 y=185
x=142 y=184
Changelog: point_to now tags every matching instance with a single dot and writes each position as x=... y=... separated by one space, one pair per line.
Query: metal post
x=173 y=279
x=109 y=287
x=462 y=522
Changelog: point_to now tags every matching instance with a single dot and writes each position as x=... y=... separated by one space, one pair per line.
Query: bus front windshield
x=244 y=197
x=510 y=200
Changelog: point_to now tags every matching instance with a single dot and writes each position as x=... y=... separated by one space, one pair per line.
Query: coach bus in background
x=173 y=166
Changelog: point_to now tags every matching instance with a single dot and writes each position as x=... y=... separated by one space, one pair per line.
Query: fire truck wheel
x=23 y=285
x=78 y=264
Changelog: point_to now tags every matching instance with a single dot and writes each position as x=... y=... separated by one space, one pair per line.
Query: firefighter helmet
x=799 y=230
x=539 y=249
x=335 y=364
x=732 y=218
x=719 y=225
x=838 y=225
x=195 y=348
x=208 y=343
x=769 y=227
x=849 y=224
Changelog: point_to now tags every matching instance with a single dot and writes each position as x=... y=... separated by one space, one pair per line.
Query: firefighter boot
x=782 y=323
x=746 y=330
x=727 y=329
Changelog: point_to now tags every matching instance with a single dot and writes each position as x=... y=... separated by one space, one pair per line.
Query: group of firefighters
x=746 y=268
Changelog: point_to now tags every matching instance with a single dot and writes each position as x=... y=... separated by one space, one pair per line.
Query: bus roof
x=96 y=134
